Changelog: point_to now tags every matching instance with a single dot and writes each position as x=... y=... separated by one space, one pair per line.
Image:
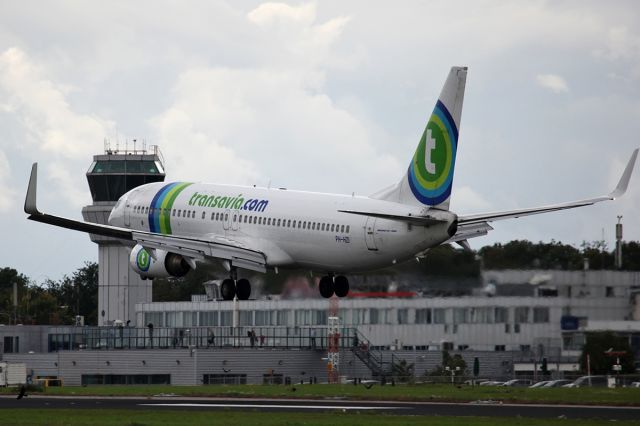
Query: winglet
x=626 y=176
x=30 y=200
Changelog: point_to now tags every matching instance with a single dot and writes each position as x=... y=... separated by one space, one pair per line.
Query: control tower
x=110 y=175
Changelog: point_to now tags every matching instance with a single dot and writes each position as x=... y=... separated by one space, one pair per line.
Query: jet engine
x=162 y=264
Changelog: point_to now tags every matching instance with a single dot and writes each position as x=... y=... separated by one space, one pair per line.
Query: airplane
x=174 y=226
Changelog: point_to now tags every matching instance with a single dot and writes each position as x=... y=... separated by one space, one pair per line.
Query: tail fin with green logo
x=429 y=177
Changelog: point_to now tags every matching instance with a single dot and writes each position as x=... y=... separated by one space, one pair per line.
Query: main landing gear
x=232 y=287
x=330 y=285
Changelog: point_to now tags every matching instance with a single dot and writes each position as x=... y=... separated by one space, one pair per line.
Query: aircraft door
x=235 y=220
x=369 y=237
x=226 y=222
x=127 y=214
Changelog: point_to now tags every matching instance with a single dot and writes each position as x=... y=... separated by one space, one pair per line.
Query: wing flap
x=414 y=220
x=465 y=232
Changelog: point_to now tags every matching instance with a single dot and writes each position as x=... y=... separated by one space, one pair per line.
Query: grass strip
x=592 y=396
x=106 y=417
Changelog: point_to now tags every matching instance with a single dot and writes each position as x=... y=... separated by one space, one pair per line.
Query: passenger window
x=259 y=221
x=313 y=226
x=203 y=215
x=323 y=226
x=235 y=217
x=294 y=223
x=240 y=218
x=245 y=219
x=347 y=229
x=226 y=216
x=212 y=215
x=332 y=227
x=269 y=221
x=289 y=223
x=278 y=222
x=304 y=225
x=342 y=229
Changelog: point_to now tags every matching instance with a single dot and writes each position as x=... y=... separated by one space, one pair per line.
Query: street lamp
x=453 y=372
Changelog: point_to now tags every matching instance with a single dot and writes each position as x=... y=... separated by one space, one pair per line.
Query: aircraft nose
x=116 y=217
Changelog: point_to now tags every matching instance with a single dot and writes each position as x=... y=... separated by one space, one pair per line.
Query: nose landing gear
x=330 y=285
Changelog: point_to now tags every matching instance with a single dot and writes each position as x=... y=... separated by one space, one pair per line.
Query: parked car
x=586 y=381
x=539 y=384
x=557 y=383
x=491 y=383
x=634 y=385
x=517 y=383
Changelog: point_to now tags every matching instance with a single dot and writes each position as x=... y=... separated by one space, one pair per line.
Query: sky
x=327 y=96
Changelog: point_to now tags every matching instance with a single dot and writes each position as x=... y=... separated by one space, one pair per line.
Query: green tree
x=78 y=294
x=403 y=371
x=597 y=347
x=455 y=363
x=9 y=276
x=631 y=256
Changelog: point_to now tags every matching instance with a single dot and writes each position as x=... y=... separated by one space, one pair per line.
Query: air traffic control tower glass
x=117 y=172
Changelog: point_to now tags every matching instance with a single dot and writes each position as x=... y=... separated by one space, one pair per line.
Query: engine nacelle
x=165 y=264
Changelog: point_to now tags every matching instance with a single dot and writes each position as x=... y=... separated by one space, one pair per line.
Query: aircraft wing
x=213 y=247
x=617 y=192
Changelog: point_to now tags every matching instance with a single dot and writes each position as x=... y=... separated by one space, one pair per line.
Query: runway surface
x=478 y=408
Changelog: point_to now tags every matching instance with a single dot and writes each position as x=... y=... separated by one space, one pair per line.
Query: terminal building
x=207 y=341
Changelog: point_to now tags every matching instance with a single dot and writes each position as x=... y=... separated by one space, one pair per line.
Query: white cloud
x=553 y=82
x=621 y=44
x=42 y=106
x=7 y=193
x=269 y=13
x=52 y=128
x=272 y=123
x=465 y=200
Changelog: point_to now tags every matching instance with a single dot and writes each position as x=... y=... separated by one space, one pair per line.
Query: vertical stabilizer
x=429 y=177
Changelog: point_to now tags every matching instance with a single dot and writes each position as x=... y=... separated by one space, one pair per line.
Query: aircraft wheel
x=341 y=286
x=228 y=289
x=326 y=287
x=243 y=289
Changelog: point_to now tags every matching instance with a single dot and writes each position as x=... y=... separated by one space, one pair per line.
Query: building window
x=439 y=316
x=540 y=315
x=246 y=318
x=226 y=318
x=609 y=291
x=423 y=316
x=522 y=315
x=501 y=315
x=282 y=318
x=208 y=318
x=403 y=316
x=374 y=316
x=224 y=379
x=460 y=315
x=500 y=348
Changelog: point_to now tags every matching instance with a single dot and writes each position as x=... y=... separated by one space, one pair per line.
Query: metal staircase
x=373 y=359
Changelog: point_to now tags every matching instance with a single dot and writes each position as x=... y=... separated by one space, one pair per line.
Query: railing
x=372 y=358
x=114 y=338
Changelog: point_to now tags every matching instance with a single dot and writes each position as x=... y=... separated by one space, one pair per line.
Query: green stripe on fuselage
x=167 y=206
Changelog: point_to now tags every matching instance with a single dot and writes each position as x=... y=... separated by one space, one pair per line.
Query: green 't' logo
x=143 y=260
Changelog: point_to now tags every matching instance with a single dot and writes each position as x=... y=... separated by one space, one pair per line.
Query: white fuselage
x=293 y=228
